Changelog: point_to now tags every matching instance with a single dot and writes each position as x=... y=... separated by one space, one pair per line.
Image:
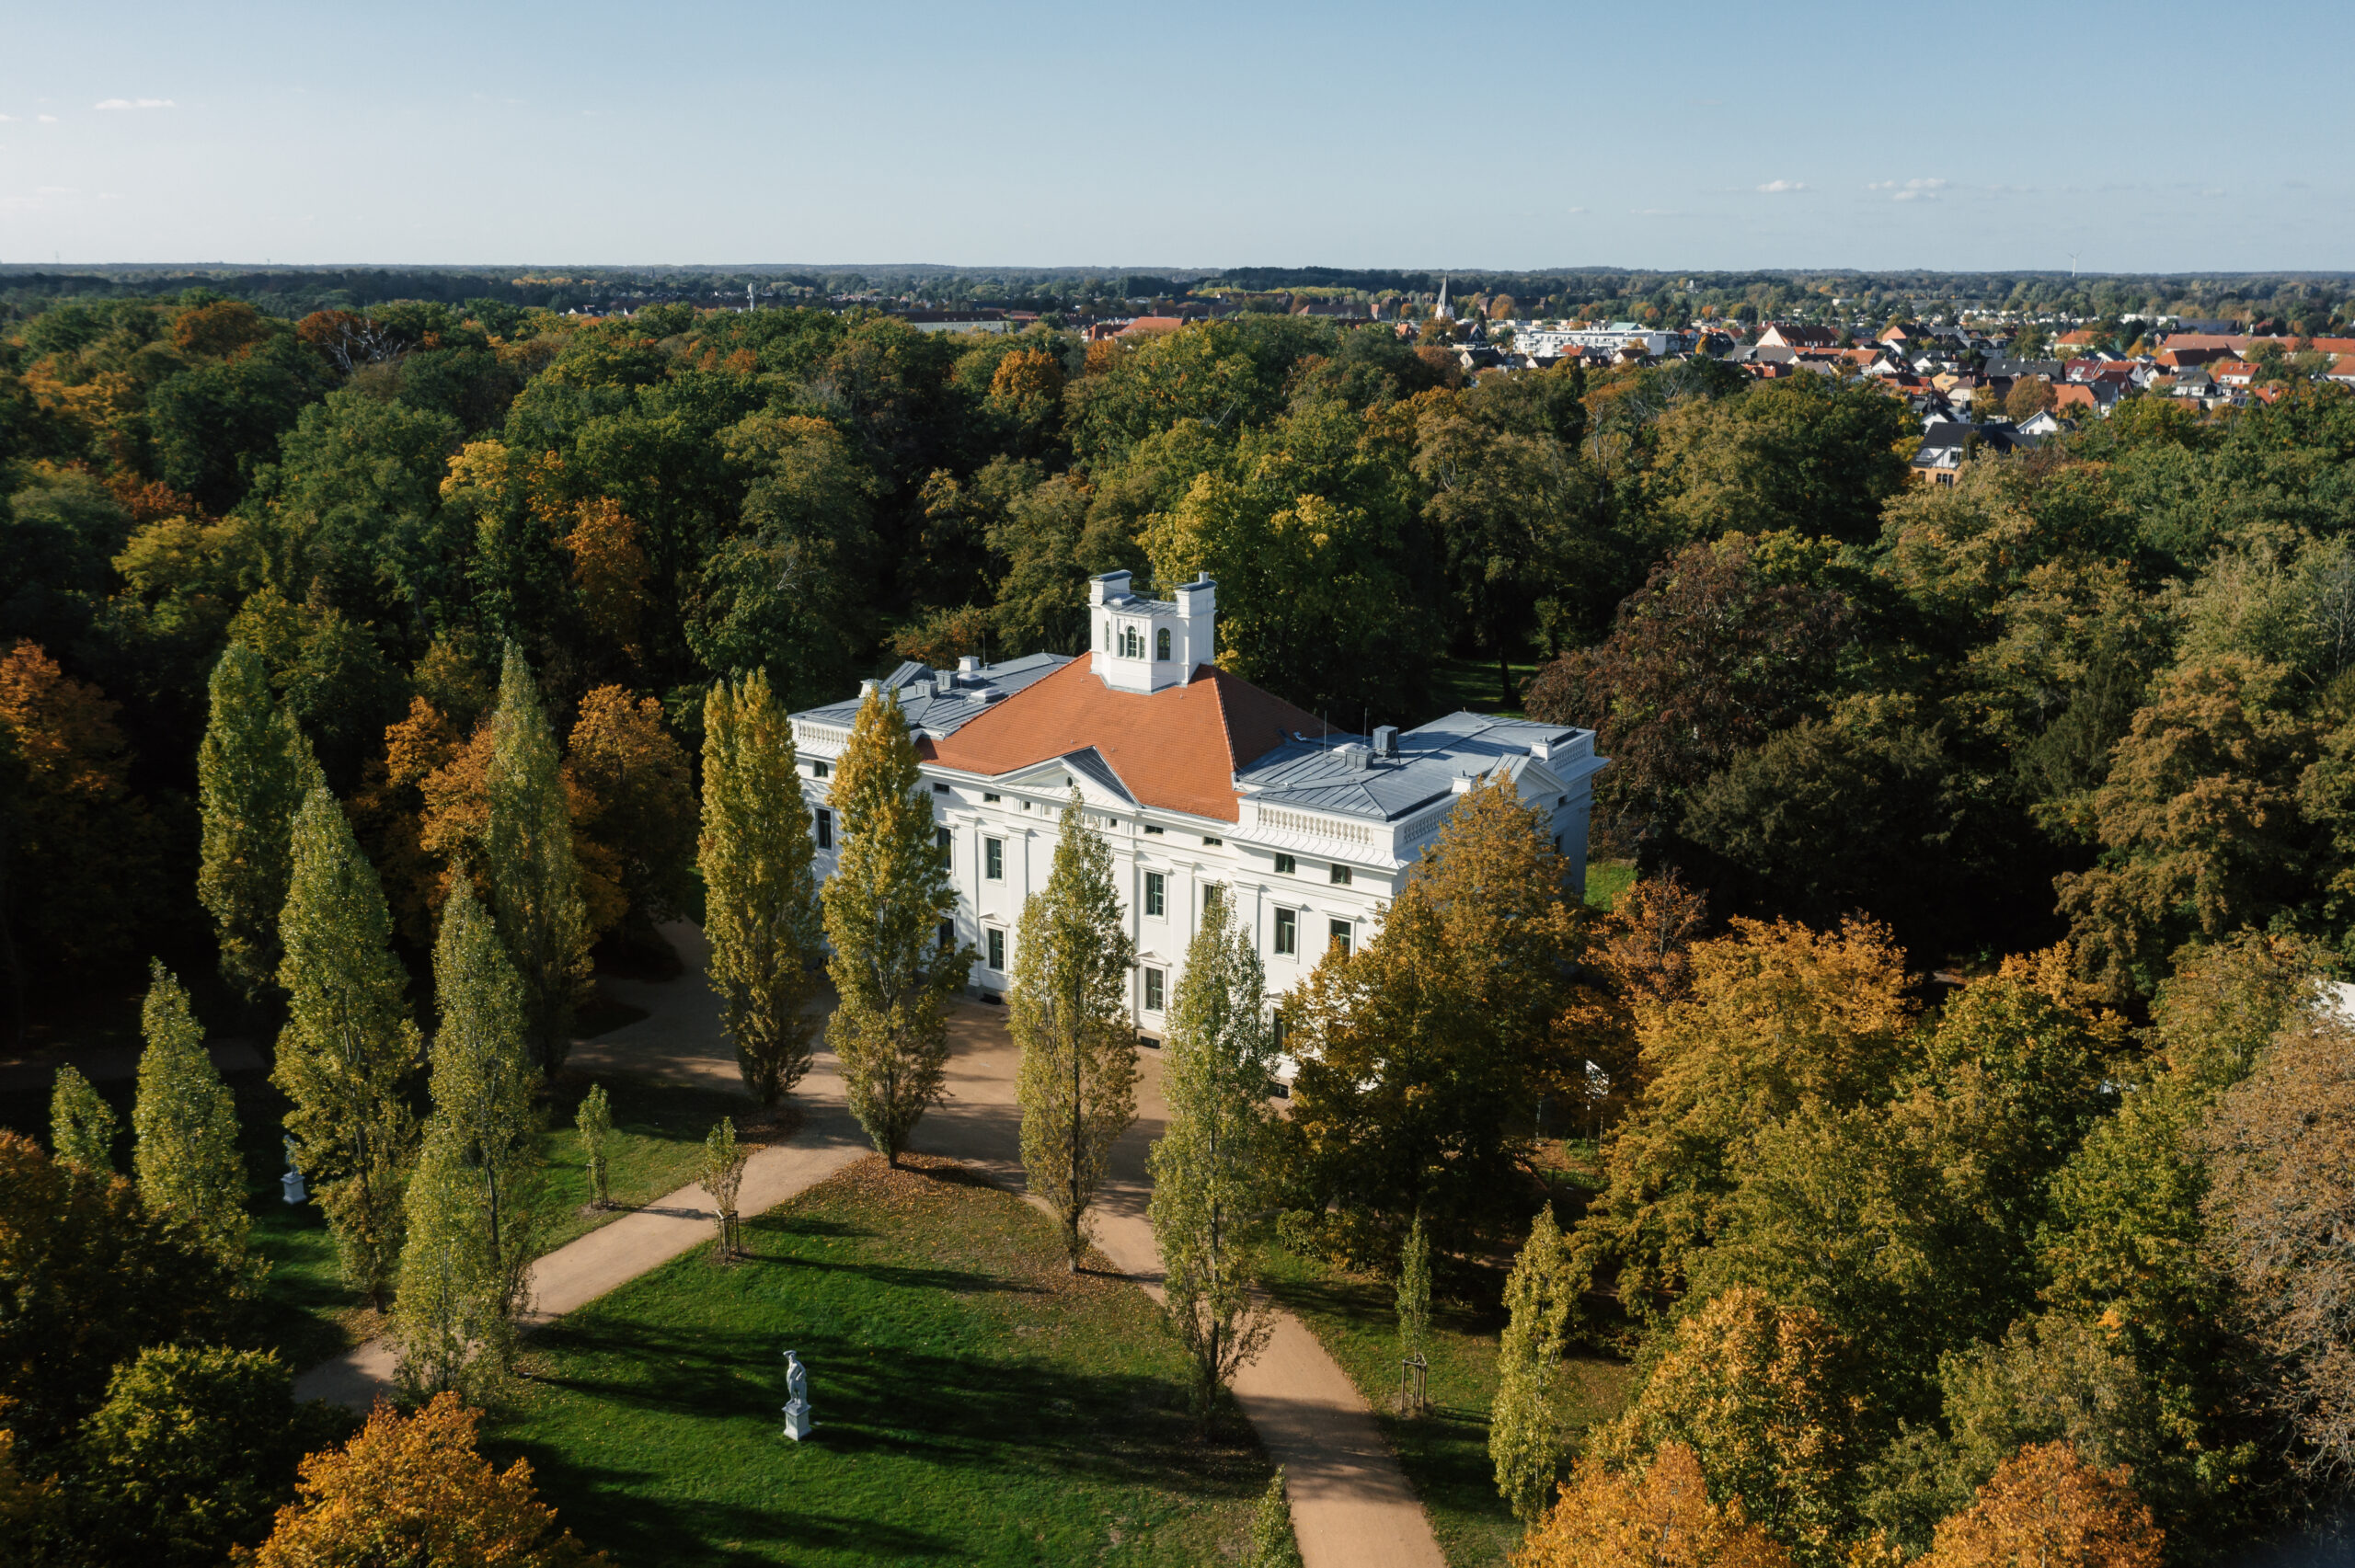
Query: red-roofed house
x=1791 y=334
x=1196 y=780
x=2233 y=372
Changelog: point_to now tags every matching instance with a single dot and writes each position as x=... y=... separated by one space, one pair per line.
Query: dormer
x=1147 y=645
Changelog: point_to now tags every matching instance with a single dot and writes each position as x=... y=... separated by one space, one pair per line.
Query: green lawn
x=1471 y=684
x=976 y=1403
x=1606 y=879
x=1445 y=1452
x=656 y=1148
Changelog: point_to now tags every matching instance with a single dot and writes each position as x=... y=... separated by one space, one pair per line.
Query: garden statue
x=797 y=1405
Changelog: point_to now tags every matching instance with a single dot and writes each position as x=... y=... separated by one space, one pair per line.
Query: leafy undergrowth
x=1446 y=1451
x=975 y=1402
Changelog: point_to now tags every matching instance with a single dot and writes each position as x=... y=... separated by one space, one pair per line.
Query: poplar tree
x=723 y=1178
x=1209 y=1167
x=595 y=1120
x=348 y=1044
x=1414 y=1295
x=1524 y=1429
x=884 y=906
x=528 y=859
x=472 y=1229
x=184 y=1124
x=81 y=1124
x=1069 y=1012
x=760 y=900
x=253 y=769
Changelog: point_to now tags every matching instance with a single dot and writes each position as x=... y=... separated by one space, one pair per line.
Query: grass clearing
x=1445 y=1452
x=1472 y=685
x=1606 y=880
x=976 y=1403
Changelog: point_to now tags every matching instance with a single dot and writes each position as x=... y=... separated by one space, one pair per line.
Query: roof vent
x=869 y=687
x=1385 y=740
x=1356 y=759
x=969 y=665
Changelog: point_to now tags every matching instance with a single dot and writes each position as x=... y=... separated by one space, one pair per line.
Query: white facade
x=1327 y=829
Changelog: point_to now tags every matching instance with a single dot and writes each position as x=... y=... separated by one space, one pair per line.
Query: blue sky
x=2155 y=136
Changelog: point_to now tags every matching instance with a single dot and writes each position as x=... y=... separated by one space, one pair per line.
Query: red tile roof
x=1178 y=749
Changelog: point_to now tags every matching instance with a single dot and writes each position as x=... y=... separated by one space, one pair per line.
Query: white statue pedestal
x=797 y=1408
x=291 y=1184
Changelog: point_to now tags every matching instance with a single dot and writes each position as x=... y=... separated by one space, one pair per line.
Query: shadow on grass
x=955 y=1410
x=621 y=1511
x=956 y=1281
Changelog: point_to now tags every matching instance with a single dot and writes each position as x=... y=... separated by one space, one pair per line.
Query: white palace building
x=1196 y=779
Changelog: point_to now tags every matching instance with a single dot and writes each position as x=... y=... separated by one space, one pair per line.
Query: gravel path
x=1351 y=1505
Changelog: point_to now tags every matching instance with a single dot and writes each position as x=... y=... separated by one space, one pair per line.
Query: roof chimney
x=1385 y=740
x=1106 y=587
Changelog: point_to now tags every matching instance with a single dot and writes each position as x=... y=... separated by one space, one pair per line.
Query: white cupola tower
x=1145 y=645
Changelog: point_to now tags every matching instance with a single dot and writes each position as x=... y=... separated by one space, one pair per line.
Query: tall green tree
x=1069 y=1017
x=1210 y=1167
x=473 y=1230
x=253 y=769
x=81 y=1124
x=884 y=906
x=185 y=1124
x=760 y=899
x=349 y=1044
x=534 y=881
x=1525 y=1437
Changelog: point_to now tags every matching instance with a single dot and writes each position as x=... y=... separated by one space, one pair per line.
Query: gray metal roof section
x=1316 y=773
x=1089 y=761
x=939 y=702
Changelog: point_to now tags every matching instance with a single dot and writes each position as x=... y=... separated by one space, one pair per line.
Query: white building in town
x=1196 y=780
x=1552 y=339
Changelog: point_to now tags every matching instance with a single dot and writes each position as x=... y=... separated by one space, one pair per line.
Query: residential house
x=1795 y=334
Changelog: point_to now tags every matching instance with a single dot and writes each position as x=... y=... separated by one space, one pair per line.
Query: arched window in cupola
x=1161 y=644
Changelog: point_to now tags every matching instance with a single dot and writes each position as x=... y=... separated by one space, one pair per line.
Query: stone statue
x=797 y=1406
x=291 y=1184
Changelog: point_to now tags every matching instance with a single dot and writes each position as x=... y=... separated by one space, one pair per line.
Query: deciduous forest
x=1967 y=1123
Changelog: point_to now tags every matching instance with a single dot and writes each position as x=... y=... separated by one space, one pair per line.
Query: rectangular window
x=825 y=829
x=1152 y=978
x=1282 y=1032
x=1156 y=895
x=817 y=770
x=947 y=935
x=998 y=950
x=1340 y=936
x=947 y=839
x=1151 y=829
x=940 y=789
x=1287 y=934
x=1340 y=877
x=987 y=798
x=1214 y=844
x=993 y=859
x=1286 y=865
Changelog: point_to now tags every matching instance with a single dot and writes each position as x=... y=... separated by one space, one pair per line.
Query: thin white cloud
x=49 y=120
x=1911 y=190
x=1777 y=186
x=135 y=103
x=7 y=119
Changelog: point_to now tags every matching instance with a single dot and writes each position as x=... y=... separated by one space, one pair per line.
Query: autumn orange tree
x=2046 y=1509
x=78 y=862
x=416 y=1489
x=1656 y=1515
